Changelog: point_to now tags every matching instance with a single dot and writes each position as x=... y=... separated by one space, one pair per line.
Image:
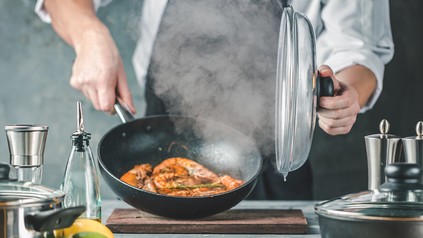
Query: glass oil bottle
x=81 y=179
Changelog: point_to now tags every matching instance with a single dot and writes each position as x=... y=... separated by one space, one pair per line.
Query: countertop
x=306 y=206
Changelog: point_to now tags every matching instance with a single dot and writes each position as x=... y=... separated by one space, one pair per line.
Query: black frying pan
x=154 y=139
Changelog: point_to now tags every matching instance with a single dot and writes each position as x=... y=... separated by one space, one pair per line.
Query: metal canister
x=413 y=147
x=26 y=146
x=382 y=149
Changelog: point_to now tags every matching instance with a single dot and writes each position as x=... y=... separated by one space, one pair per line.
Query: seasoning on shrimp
x=179 y=177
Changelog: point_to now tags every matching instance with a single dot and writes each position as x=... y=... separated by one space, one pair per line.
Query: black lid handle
x=53 y=219
x=324 y=88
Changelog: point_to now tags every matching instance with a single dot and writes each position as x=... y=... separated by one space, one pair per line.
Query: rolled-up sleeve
x=45 y=17
x=356 y=32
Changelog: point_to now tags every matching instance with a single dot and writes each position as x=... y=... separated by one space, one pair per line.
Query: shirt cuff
x=41 y=12
x=45 y=17
x=344 y=59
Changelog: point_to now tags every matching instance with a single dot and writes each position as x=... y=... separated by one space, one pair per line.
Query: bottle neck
x=81 y=140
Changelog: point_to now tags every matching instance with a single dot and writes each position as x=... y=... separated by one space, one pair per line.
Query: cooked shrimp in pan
x=179 y=177
x=139 y=177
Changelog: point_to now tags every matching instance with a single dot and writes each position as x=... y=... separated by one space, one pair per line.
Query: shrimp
x=180 y=166
x=179 y=177
x=139 y=177
x=230 y=183
x=181 y=174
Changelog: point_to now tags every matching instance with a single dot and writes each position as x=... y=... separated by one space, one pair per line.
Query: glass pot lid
x=399 y=199
x=17 y=193
x=298 y=88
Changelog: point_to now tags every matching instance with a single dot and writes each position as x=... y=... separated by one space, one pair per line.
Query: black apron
x=216 y=59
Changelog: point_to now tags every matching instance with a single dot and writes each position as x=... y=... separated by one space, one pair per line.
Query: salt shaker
x=81 y=180
x=382 y=149
x=26 y=147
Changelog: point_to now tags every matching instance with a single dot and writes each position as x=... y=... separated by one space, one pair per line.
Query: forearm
x=74 y=19
x=360 y=78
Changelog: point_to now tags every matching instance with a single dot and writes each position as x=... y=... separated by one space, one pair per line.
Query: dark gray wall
x=339 y=163
x=35 y=66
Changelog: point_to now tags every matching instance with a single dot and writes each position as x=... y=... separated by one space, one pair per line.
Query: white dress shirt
x=348 y=32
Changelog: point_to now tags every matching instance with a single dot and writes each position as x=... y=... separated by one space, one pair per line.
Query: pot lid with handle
x=15 y=193
x=298 y=89
x=399 y=199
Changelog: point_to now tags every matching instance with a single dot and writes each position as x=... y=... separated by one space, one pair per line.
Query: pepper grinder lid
x=26 y=144
x=382 y=149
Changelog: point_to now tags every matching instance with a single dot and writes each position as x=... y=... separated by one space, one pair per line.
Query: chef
x=217 y=59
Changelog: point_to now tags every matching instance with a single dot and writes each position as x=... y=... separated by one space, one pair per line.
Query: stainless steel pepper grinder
x=26 y=146
x=413 y=148
x=382 y=149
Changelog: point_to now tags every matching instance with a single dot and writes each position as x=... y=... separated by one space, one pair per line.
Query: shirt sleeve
x=45 y=17
x=356 y=32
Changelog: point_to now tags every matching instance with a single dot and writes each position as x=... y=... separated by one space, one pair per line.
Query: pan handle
x=123 y=112
x=53 y=219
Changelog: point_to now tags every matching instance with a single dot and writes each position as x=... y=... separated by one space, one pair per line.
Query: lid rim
x=337 y=211
x=355 y=217
x=26 y=193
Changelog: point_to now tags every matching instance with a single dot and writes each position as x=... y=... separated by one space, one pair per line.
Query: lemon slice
x=83 y=228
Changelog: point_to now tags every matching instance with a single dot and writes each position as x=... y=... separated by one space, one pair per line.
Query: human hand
x=98 y=70
x=338 y=114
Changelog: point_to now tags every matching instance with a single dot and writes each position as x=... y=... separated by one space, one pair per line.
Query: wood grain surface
x=235 y=221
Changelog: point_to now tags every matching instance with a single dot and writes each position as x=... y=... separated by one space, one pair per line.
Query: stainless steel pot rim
x=24 y=193
x=339 y=215
x=387 y=211
x=13 y=199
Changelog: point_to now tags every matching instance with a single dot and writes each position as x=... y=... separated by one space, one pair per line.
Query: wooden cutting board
x=235 y=221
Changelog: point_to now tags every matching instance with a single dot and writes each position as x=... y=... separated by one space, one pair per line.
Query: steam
x=217 y=60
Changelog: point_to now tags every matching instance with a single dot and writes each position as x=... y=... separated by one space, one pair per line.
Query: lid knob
x=402 y=177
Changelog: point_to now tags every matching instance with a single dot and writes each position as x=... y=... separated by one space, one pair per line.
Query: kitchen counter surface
x=306 y=206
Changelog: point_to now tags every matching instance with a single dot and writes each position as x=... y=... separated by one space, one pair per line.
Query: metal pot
x=394 y=210
x=31 y=210
x=153 y=139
